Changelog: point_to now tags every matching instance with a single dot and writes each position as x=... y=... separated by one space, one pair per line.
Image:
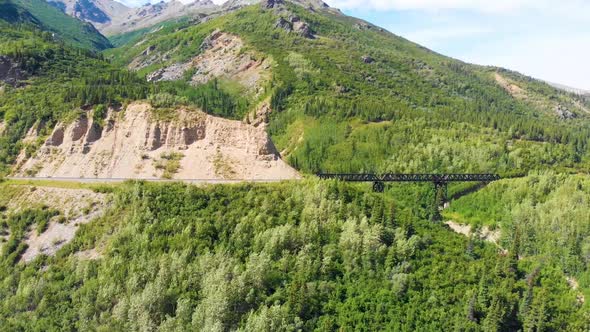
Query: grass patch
x=169 y=164
x=98 y=187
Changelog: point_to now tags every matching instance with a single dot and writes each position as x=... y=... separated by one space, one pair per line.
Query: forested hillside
x=40 y=14
x=349 y=96
x=48 y=81
x=284 y=257
x=547 y=214
x=345 y=96
x=337 y=95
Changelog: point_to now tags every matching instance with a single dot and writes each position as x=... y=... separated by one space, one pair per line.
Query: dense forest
x=278 y=257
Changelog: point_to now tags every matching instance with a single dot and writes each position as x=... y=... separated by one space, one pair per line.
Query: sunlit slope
x=40 y=14
x=349 y=96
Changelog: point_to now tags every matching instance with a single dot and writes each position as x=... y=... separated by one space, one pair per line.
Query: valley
x=163 y=178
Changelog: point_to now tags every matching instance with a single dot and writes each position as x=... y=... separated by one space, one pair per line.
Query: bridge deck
x=437 y=178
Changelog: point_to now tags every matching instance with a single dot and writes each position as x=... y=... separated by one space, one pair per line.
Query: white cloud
x=433 y=37
x=556 y=58
x=484 y=5
x=571 y=7
x=137 y=3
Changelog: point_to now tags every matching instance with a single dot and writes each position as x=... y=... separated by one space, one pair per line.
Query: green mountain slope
x=357 y=98
x=295 y=256
x=45 y=17
x=54 y=81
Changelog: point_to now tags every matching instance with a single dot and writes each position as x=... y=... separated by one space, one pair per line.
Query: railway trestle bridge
x=440 y=181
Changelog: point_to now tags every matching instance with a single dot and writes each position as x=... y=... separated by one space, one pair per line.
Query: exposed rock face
x=171 y=73
x=222 y=57
x=99 y=13
x=10 y=72
x=70 y=203
x=137 y=139
x=209 y=41
x=260 y=115
x=88 y=11
x=57 y=137
x=94 y=133
x=294 y=24
x=564 y=113
x=79 y=128
x=268 y=148
x=148 y=50
x=303 y=29
x=368 y=59
x=282 y=23
x=267 y=4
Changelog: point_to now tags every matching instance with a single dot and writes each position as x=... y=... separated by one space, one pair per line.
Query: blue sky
x=547 y=39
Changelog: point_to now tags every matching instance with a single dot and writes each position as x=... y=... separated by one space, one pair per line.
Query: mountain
x=569 y=89
x=338 y=94
x=97 y=12
x=273 y=91
x=47 y=18
x=347 y=96
x=112 y=17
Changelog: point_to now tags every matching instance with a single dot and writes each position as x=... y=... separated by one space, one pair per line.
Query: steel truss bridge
x=440 y=181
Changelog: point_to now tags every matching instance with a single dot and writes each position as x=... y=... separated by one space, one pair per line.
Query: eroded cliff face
x=134 y=143
x=222 y=55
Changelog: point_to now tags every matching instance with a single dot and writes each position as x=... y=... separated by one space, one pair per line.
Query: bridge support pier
x=378 y=186
x=440 y=197
x=441 y=191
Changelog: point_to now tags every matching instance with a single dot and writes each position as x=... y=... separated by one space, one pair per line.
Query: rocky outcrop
x=222 y=56
x=260 y=115
x=282 y=23
x=314 y=5
x=148 y=50
x=564 y=113
x=368 y=59
x=138 y=139
x=295 y=24
x=268 y=4
x=79 y=128
x=267 y=148
x=94 y=133
x=208 y=42
x=57 y=137
x=171 y=73
x=10 y=71
x=86 y=10
x=303 y=29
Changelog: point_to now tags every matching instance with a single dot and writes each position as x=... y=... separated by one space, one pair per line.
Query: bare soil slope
x=135 y=143
x=76 y=207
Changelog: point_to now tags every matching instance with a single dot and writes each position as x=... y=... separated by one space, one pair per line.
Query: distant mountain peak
x=569 y=89
x=112 y=17
x=313 y=4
